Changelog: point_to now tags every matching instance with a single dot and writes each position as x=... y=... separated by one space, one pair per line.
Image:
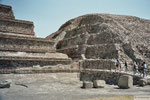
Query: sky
x=49 y=15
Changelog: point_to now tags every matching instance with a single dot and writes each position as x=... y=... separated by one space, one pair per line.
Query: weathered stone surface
x=16 y=26
x=101 y=52
x=93 y=30
x=97 y=64
x=26 y=44
x=5 y=84
x=148 y=81
x=6 y=12
x=99 y=83
x=125 y=82
x=87 y=84
x=23 y=59
x=19 y=48
x=142 y=82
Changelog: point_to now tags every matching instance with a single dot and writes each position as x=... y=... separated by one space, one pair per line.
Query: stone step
x=9 y=34
x=26 y=44
x=6 y=12
x=34 y=55
x=17 y=26
x=18 y=61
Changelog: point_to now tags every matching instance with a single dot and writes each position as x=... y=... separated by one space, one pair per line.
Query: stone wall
x=6 y=12
x=98 y=64
x=108 y=76
x=30 y=62
x=70 y=42
x=17 y=27
x=104 y=51
x=26 y=44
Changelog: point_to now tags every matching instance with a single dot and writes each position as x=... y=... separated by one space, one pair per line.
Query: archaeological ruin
x=20 y=48
x=89 y=44
x=77 y=62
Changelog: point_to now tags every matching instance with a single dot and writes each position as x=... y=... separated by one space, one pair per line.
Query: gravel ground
x=59 y=86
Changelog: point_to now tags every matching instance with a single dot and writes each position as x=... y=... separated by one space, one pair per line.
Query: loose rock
x=87 y=84
x=5 y=84
x=142 y=82
x=99 y=83
x=125 y=82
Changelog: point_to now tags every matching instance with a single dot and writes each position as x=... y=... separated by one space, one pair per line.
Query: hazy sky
x=49 y=15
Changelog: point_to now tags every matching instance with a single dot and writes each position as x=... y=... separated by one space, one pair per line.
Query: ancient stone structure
x=105 y=37
x=97 y=40
x=20 y=48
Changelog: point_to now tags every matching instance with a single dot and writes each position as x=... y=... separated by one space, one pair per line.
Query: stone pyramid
x=19 y=48
x=100 y=39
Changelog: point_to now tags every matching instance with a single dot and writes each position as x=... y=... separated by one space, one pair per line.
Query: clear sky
x=49 y=15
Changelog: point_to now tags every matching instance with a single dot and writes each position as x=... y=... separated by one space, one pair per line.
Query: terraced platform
x=21 y=51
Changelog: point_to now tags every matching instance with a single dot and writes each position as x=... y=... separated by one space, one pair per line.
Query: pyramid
x=100 y=39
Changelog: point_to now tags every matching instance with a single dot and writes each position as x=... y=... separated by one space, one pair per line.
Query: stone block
x=99 y=83
x=125 y=82
x=5 y=84
x=87 y=84
x=142 y=82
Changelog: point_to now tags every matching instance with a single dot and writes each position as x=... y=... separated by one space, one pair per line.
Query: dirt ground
x=63 y=86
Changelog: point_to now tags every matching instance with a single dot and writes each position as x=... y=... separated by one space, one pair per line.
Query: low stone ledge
x=33 y=71
x=30 y=62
